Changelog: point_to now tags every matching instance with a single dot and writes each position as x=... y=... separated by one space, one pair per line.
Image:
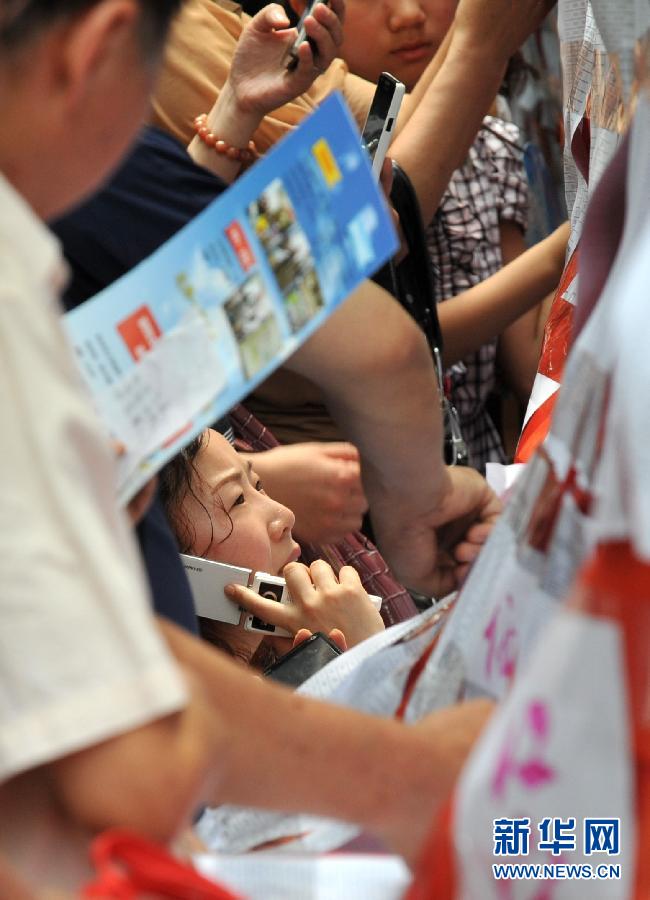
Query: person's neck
x=44 y=845
x=29 y=152
x=12 y=173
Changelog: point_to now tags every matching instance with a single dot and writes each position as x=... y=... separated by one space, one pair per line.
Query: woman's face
x=396 y=36
x=259 y=537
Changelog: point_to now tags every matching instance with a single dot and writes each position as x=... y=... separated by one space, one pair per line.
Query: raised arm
x=457 y=89
x=259 y=81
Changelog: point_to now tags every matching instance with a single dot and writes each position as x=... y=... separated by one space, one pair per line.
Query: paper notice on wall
x=623 y=510
x=605 y=52
x=273 y=876
x=549 y=783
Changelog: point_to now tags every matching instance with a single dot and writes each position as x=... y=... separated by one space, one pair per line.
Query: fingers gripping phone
x=304 y=660
x=378 y=130
x=209 y=578
x=302 y=35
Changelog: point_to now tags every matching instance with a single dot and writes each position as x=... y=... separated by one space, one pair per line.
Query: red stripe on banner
x=557 y=331
x=413 y=676
x=535 y=430
x=555 y=350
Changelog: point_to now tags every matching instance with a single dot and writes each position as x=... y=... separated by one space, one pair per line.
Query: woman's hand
x=321 y=602
x=259 y=77
x=336 y=636
x=259 y=80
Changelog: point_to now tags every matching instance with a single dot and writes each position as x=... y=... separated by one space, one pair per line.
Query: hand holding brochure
x=178 y=341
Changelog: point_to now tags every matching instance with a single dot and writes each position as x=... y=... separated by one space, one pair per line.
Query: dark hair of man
x=23 y=20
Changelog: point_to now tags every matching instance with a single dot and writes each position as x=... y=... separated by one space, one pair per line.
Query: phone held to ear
x=208 y=580
x=292 y=53
x=378 y=131
x=304 y=660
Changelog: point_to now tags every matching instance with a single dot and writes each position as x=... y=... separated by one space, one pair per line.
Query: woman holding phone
x=219 y=510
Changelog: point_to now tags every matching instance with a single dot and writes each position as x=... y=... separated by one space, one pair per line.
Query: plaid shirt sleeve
x=507 y=170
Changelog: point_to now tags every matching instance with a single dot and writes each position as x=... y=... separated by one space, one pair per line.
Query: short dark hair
x=21 y=20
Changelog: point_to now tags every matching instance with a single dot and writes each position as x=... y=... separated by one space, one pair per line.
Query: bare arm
x=329 y=760
x=483 y=312
x=12 y=886
x=520 y=344
x=373 y=375
x=457 y=91
x=150 y=779
x=259 y=82
x=325 y=759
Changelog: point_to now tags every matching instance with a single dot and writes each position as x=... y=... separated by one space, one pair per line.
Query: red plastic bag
x=129 y=867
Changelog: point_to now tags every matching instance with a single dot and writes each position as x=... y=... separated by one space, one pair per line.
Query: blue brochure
x=179 y=340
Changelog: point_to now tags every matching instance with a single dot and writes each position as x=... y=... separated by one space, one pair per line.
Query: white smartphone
x=378 y=130
x=207 y=582
x=292 y=53
x=209 y=578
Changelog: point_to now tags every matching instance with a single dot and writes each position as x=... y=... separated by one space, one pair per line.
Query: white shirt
x=80 y=660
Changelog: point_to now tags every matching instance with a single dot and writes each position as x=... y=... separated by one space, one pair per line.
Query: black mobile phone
x=378 y=130
x=302 y=36
x=304 y=660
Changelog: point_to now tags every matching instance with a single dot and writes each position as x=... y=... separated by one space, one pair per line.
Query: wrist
x=481 y=50
x=404 y=528
x=231 y=119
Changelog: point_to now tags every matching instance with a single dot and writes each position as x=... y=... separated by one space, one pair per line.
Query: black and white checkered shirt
x=464 y=247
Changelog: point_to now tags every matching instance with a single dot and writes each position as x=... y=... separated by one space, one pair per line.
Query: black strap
x=413 y=275
x=411 y=282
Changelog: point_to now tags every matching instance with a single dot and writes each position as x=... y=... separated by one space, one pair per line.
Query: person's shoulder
x=155 y=144
x=154 y=138
x=161 y=160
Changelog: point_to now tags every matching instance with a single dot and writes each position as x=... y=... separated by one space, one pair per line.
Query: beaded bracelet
x=209 y=138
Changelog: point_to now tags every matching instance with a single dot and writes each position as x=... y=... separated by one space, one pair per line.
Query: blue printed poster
x=178 y=341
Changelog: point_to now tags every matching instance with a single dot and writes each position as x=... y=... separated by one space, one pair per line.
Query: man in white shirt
x=97 y=726
x=80 y=657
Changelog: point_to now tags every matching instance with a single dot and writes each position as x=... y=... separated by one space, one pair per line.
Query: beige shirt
x=197 y=60
x=81 y=660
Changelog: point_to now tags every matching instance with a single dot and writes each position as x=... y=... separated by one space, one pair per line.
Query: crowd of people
x=119 y=707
